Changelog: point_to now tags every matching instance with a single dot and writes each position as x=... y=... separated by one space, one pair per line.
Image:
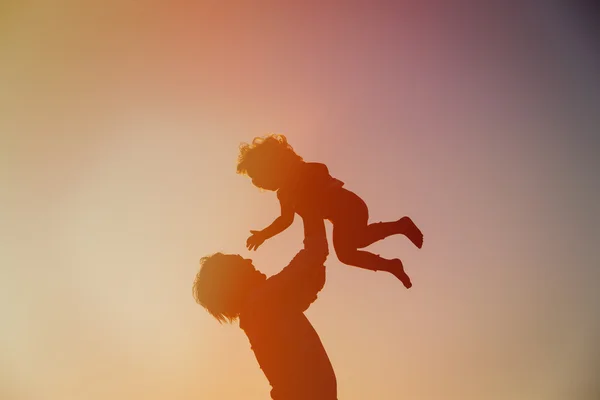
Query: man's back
x=290 y=353
x=287 y=347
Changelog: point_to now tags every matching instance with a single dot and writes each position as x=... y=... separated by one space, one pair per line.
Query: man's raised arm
x=315 y=239
x=297 y=285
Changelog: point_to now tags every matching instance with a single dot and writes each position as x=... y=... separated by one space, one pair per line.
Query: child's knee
x=346 y=255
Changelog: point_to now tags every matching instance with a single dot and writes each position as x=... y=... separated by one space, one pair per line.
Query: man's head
x=222 y=283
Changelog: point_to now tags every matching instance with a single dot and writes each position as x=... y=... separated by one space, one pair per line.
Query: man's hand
x=255 y=240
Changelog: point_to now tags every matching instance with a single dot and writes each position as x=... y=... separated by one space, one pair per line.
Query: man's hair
x=219 y=285
x=267 y=151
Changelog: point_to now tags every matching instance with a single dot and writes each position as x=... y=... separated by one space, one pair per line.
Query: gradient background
x=120 y=122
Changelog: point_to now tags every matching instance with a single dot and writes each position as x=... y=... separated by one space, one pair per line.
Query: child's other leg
x=380 y=230
x=345 y=245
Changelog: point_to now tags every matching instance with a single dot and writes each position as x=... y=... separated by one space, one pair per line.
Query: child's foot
x=397 y=269
x=411 y=231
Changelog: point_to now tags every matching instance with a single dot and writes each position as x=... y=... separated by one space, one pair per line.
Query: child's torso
x=312 y=189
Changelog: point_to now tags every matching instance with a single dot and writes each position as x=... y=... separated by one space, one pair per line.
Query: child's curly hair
x=270 y=150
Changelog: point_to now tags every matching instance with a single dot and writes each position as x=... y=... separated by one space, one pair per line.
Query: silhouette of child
x=307 y=188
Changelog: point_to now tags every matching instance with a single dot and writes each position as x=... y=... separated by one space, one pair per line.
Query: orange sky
x=120 y=126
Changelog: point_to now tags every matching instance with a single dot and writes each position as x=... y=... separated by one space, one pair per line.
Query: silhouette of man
x=271 y=313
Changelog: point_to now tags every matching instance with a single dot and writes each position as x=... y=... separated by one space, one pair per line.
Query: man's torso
x=289 y=351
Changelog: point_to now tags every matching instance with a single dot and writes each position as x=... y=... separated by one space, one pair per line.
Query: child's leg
x=351 y=231
x=344 y=243
x=380 y=230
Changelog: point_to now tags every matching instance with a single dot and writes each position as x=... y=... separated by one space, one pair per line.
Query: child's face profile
x=264 y=180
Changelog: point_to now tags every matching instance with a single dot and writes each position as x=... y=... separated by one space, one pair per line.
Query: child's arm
x=280 y=224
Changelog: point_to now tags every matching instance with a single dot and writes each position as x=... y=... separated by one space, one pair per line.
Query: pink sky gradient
x=120 y=124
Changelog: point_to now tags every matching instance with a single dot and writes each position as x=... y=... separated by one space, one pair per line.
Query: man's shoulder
x=293 y=288
x=255 y=306
x=261 y=301
x=261 y=310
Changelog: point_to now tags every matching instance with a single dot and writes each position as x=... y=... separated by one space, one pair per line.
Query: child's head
x=266 y=160
x=222 y=283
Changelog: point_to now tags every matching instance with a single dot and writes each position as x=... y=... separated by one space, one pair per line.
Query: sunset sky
x=120 y=123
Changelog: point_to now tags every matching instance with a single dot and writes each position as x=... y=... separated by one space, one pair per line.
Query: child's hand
x=255 y=240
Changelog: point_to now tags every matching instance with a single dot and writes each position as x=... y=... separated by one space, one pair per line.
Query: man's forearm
x=315 y=239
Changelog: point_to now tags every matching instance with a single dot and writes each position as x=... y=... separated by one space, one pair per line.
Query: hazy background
x=120 y=122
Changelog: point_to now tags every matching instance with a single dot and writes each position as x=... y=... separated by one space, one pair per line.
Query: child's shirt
x=311 y=188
